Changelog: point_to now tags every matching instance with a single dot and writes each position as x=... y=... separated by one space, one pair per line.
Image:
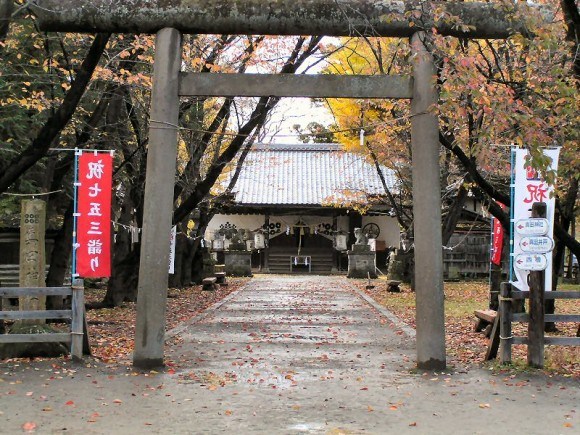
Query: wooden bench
x=209 y=283
x=485 y=319
x=221 y=278
x=393 y=286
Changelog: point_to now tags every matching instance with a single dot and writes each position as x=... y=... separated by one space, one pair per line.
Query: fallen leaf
x=117 y=401
x=393 y=407
x=484 y=405
x=413 y=424
x=70 y=403
x=29 y=426
x=228 y=412
x=567 y=424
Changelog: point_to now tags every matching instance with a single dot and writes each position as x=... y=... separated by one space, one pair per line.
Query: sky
x=292 y=111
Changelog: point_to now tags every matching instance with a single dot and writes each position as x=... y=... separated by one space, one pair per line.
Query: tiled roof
x=307 y=174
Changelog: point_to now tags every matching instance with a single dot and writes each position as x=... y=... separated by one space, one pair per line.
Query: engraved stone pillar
x=32 y=253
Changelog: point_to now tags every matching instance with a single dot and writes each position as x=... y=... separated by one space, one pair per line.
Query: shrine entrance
x=168 y=19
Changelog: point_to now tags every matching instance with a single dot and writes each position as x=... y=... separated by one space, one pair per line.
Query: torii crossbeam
x=169 y=18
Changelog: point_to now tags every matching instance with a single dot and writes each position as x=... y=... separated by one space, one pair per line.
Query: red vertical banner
x=93 y=249
x=497 y=242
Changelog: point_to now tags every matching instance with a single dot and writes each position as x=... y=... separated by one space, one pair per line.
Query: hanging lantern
x=340 y=240
x=259 y=241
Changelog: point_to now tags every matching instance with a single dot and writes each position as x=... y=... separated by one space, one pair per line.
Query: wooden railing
x=510 y=297
x=75 y=314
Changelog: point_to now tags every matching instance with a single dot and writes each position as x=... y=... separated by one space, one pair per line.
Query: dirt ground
x=284 y=355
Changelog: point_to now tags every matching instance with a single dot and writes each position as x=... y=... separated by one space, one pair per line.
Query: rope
x=31 y=194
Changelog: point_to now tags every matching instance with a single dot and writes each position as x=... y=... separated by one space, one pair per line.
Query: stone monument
x=361 y=260
x=237 y=259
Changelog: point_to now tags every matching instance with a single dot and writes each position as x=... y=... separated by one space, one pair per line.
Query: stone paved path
x=286 y=355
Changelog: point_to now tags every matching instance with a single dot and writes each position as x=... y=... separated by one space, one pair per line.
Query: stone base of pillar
x=361 y=264
x=238 y=263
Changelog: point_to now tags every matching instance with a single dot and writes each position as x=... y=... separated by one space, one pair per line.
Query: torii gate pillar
x=158 y=207
x=430 y=315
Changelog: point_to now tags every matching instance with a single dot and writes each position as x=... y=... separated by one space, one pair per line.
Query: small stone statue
x=237 y=241
x=361 y=238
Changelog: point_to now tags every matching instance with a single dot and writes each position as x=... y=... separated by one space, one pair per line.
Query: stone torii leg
x=158 y=209
x=430 y=319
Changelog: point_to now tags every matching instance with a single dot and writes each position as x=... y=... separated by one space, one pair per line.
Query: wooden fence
x=508 y=298
x=75 y=314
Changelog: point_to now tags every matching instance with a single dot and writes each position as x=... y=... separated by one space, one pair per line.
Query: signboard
x=537 y=244
x=93 y=229
x=529 y=262
x=528 y=187
x=172 y=249
x=532 y=227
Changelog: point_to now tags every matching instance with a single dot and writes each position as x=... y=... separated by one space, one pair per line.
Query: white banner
x=172 y=250
x=529 y=187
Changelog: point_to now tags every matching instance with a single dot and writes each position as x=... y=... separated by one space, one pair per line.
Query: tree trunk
x=60 y=258
x=453 y=215
x=197 y=263
x=565 y=218
x=187 y=262
x=123 y=283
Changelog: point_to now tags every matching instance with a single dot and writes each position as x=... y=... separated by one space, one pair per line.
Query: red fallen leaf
x=228 y=412
x=29 y=426
x=364 y=388
x=70 y=403
x=413 y=424
x=393 y=407
x=117 y=401
x=171 y=371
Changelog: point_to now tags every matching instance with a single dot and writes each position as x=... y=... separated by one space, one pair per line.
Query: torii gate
x=170 y=18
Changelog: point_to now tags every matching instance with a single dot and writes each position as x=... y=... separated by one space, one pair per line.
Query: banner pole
x=512 y=204
x=78 y=152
